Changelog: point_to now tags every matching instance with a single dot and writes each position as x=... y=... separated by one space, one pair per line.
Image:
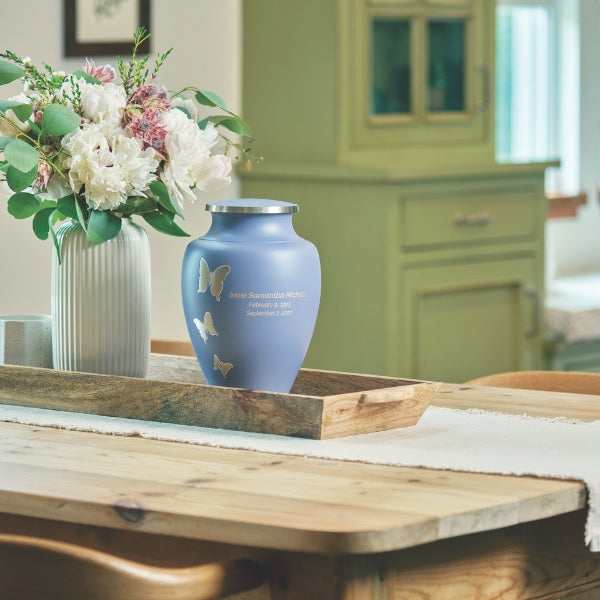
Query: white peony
x=189 y=161
x=187 y=104
x=102 y=102
x=213 y=174
x=8 y=130
x=108 y=165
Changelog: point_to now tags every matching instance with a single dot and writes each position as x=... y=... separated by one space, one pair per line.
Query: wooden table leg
x=541 y=559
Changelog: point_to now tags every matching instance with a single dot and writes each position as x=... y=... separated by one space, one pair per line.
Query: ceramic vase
x=251 y=289
x=101 y=302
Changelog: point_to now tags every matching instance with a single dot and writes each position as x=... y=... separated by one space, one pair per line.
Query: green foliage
x=22 y=110
x=83 y=75
x=161 y=194
x=43 y=221
x=23 y=205
x=67 y=206
x=102 y=226
x=135 y=73
x=234 y=123
x=137 y=205
x=9 y=72
x=21 y=155
x=17 y=180
x=164 y=222
x=59 y=120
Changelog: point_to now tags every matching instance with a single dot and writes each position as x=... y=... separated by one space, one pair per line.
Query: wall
x=206 y=37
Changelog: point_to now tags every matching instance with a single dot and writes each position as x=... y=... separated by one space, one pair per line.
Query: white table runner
x=458 y=440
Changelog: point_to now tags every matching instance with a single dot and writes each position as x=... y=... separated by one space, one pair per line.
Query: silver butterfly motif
x=206 y=327
x=214 y=279
x=221 y=366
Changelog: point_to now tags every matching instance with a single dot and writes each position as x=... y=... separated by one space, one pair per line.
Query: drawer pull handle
x=486 y=73
x=483 y=218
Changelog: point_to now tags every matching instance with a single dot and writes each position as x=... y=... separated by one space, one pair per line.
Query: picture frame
x=104 y=27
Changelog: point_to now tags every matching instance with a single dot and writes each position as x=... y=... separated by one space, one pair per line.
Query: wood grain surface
x=255 y=498
x=324 y=529
x=322 y=404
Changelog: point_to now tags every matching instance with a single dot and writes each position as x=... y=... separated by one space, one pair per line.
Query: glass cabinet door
x=416 y=79
x=395 y=71
x=446 y=65
x=390 y=67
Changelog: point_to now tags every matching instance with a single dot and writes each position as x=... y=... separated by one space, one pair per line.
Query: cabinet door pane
x=446 y=77
x=390 y=66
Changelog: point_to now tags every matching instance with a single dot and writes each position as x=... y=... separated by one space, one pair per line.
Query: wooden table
x=323 y=529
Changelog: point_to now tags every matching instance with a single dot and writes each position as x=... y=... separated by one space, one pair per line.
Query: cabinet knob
x=483 y=218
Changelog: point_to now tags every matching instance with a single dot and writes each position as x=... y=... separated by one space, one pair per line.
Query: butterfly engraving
x=223 y=367
x=213 y=280
x=206 y=327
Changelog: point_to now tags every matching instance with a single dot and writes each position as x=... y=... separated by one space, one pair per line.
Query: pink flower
x=148 y=127
x=151 y=95
x=42 y=178
x=104 y=73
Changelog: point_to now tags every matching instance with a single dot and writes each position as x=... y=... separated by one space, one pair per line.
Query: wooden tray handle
x=387 y=395
x=33 y=568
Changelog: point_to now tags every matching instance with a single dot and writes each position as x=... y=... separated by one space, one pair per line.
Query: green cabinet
x=370 y=82
x=374 y=117
x=417 y=76
x=465 y=319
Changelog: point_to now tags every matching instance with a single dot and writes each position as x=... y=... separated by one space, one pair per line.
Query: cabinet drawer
x=455 y=219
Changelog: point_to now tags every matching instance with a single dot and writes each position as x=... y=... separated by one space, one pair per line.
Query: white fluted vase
x=101 y=302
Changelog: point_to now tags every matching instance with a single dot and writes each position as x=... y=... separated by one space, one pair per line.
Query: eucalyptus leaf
x=59 y=120
x=56 y=217
x=161 y=193
x=49 y=204
x=184 y=110
x=234 y=124
x=102 y=226
x=42 y=222
x=207 y=98
x=163 y=222
x=203 y=123
x=66 y=205
x=22 y=110
x=9 y=72
x=83 y=75
x=21 y=155
x=23 y=205
x=17 y=180
x=56 y=243
x=137 y=205
x=36 y=131
x=82 y=216
x=3 y=141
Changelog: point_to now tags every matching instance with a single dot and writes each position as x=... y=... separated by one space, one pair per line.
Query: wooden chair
x=177 y=347
x=575 y=382
x=549 y=381
x=34 y=568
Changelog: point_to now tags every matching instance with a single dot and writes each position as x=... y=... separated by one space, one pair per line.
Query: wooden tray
x=321 y=404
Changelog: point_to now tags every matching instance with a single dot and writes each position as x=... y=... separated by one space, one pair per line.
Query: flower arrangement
x=94 y=148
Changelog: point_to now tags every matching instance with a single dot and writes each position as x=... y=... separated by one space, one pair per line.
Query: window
x=537 y=83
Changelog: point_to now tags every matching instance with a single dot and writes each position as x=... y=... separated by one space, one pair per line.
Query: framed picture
x=104 y=27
